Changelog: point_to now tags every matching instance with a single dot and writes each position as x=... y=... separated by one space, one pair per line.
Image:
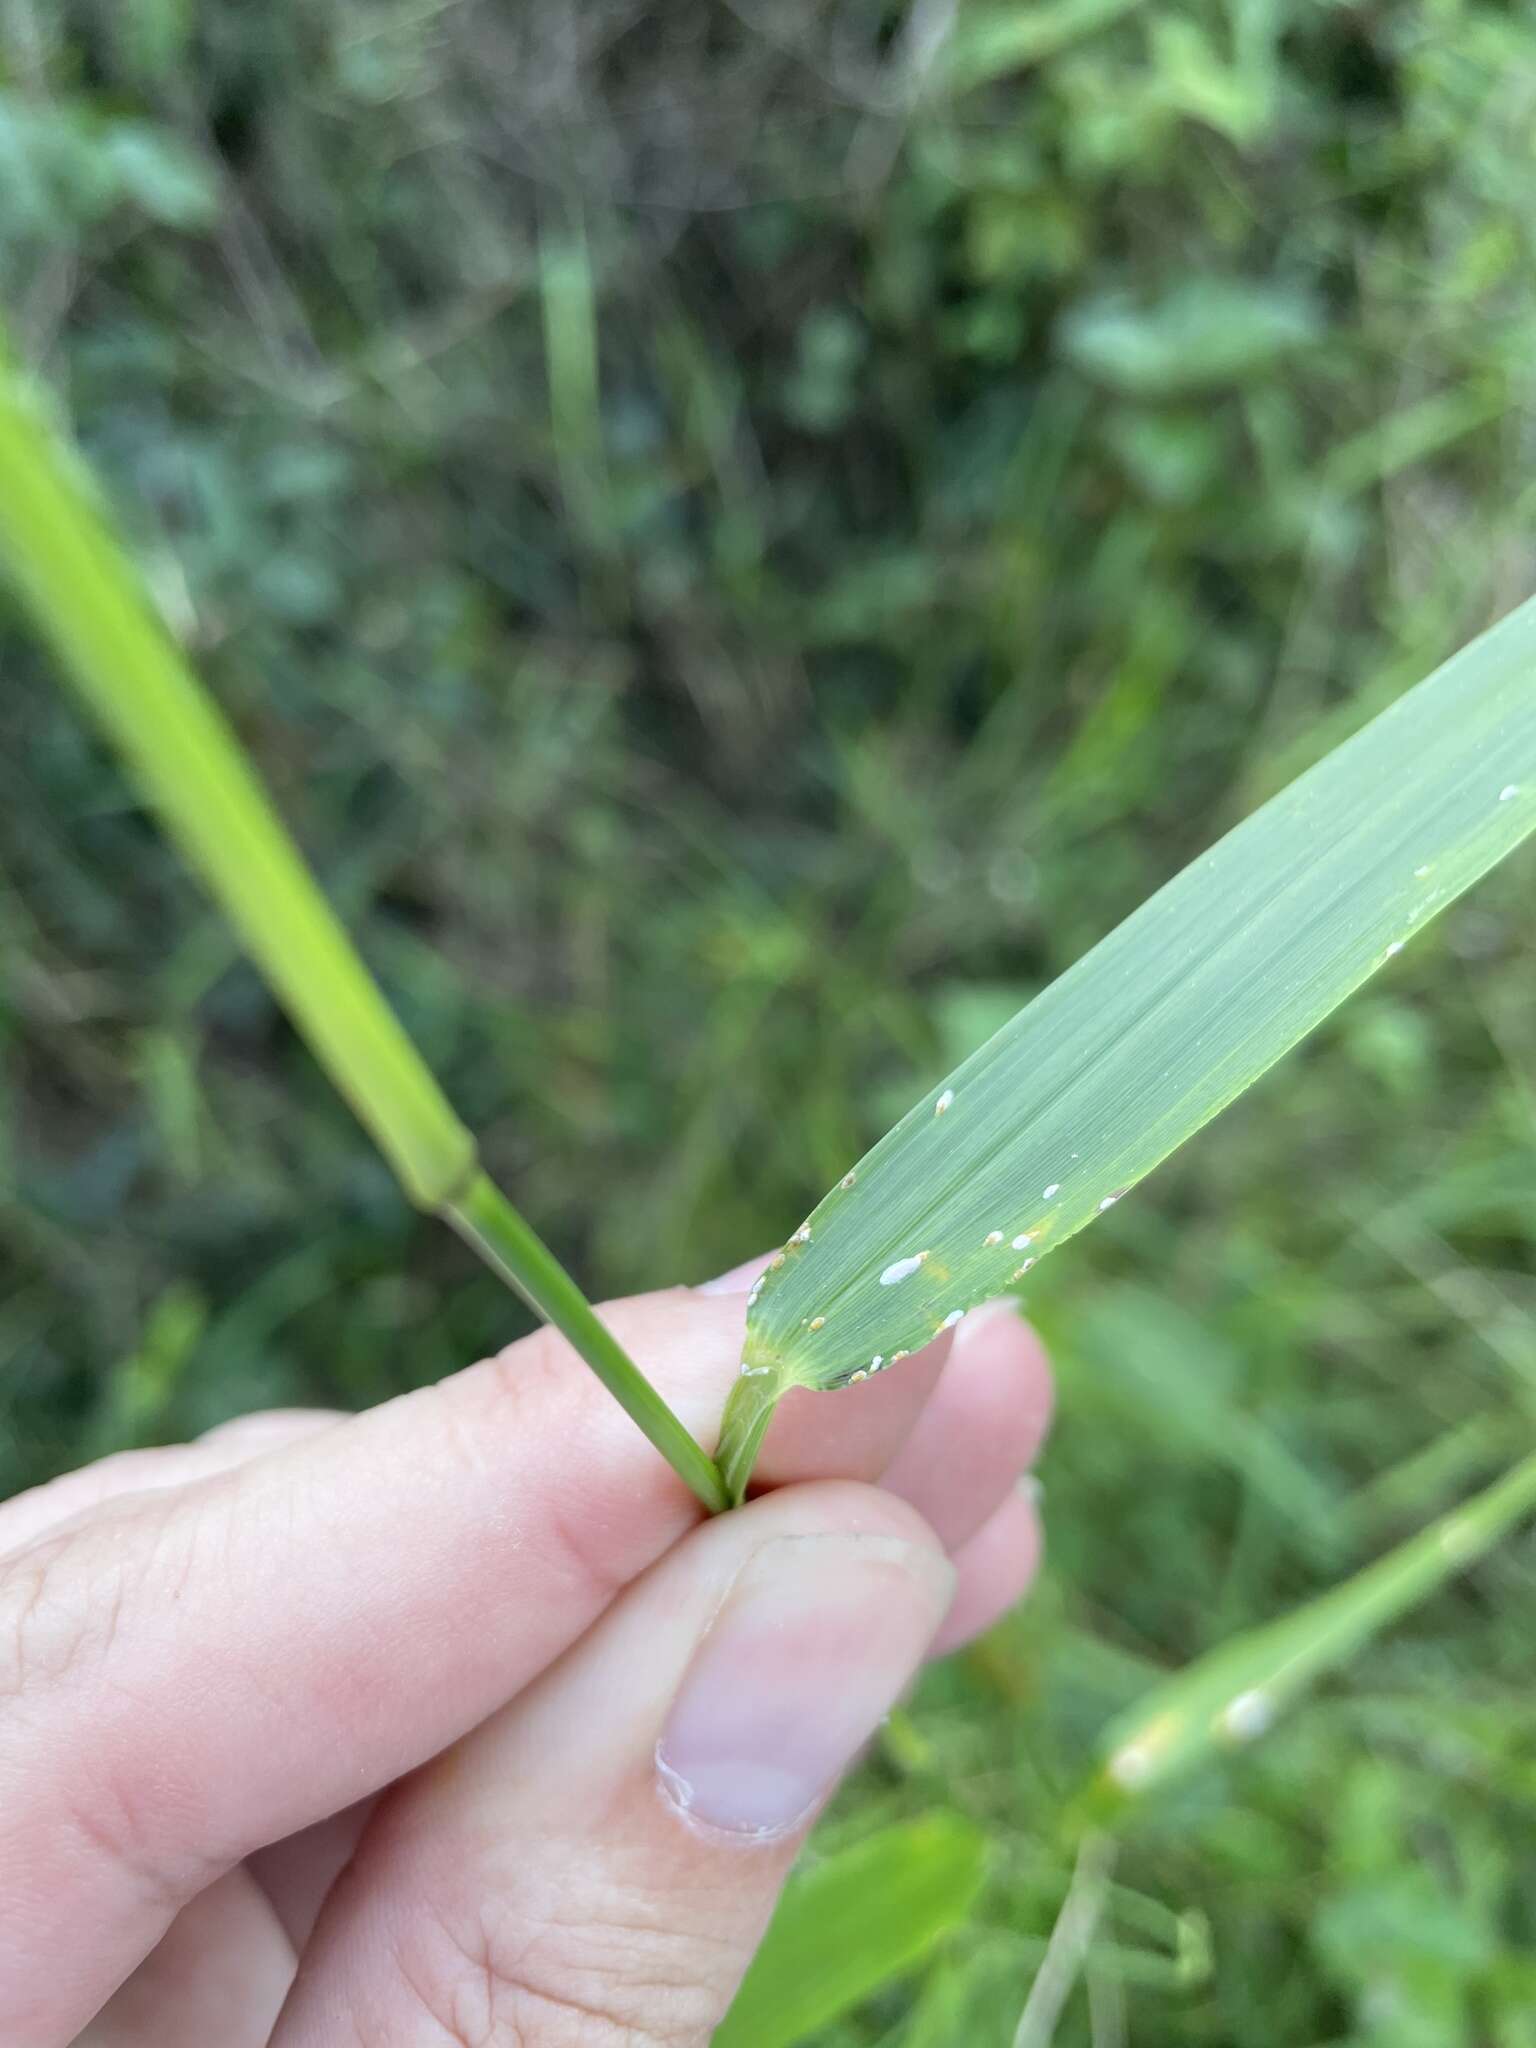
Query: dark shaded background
x=744 y=539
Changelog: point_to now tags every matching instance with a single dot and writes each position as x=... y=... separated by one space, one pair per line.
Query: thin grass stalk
x=1232 y=1695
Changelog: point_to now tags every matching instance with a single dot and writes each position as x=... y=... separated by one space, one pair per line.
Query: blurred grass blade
x=993 y=42
x=1076 y=1925
x=86 y=602
x=1160 y=1026
x=569 y=303
x=1233 y=1695
x=848 y=1925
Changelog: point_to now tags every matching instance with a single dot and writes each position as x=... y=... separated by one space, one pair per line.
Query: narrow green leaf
x=85 y=599
x=1233 y=1695
x=573 y=374
x=846 y=1926
x=87 y=602
x=1150 y=1034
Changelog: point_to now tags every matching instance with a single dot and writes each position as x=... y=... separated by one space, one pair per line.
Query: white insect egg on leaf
x=1248 y=1715
x=1021 y=1240
x=1053 y=1189
x=902 y=1269
x=1131 y=1765
x=944 y=1101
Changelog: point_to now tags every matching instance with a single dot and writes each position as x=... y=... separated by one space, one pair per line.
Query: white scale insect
x=902 y=1269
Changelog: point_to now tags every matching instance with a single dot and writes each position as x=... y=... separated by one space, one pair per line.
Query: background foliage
x=745 y=539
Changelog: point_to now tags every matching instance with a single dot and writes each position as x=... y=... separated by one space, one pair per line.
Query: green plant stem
x=1232 y=1694
x=84 y=597
x=1071 y=1938
x=748 y=1411
x=485 y=1219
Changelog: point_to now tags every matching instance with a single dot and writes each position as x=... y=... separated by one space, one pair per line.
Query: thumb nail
x=813 y=1645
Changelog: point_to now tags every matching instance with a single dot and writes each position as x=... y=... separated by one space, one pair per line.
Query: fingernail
x=738 y=1280
x=813 y=1645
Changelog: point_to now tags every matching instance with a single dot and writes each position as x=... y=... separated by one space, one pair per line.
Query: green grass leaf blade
x=1160 y=1026
x=84 y=597
x=846 y=1926
x=87 y=603
x=1233 y=1695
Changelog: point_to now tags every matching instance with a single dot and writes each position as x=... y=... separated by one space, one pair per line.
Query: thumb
x=598 y=1862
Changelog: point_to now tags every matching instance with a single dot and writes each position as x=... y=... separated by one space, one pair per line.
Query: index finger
x=185 y=1676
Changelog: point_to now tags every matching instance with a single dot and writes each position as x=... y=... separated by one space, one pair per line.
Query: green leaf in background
x=848 y=1924
x=1153 y=1032
x=992 y=42
x=1208 y=333
x=1233 y=1695
x=1177 y=1373
x=58 y=164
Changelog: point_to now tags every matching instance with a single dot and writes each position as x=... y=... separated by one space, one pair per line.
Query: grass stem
x=486 y=1220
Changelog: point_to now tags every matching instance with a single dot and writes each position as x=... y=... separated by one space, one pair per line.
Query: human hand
x=452 y=1722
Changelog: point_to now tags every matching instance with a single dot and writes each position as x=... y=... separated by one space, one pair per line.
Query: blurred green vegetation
x=744 y=540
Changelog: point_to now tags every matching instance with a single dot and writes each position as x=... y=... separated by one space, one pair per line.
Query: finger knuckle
x=503 y=1398
x=592 y=1539
x=47 y=1627
x=68 y=1601
x=611 y=1980
x=68 y=1606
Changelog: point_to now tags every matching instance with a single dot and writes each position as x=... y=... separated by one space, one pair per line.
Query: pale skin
x=455 y=1724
